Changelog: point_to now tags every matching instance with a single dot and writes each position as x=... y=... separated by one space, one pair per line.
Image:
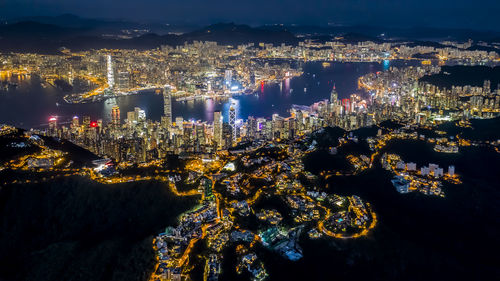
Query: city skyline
x=173 y=150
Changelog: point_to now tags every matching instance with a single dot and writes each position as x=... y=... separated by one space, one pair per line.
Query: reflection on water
x=386 y=64
x=30 y=105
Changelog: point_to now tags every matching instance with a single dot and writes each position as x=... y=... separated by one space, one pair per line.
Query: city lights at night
x=251 y=140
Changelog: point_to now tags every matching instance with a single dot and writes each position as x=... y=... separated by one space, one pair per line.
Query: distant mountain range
x=48 y=34
x=392 y=33
x=31 y=36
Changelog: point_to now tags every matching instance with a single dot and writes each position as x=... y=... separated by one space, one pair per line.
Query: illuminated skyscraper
x=167 y=106
x=333 y=95
x=86 y=121
x=251 y=127
x=76 y=122
x=228 y=77
x=451 y=170
x=131 y=117
x=115 y=115
x=179 y=122
x=487 y=87
x=53 y=125
x=122 y=82
x=111 y=75
x=347 y=105
x=218 y=129
x=232 y=123
x=140 y=114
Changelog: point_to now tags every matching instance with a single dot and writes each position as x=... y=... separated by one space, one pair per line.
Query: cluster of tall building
x=208 y=69
x=395 y=94
x=138 y=139
x=205 y=69
x=417 y=101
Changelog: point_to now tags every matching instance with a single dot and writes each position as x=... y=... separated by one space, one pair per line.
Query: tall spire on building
x=334 y=95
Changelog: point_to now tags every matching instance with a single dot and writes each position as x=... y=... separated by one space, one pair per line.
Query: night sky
x=478 y=14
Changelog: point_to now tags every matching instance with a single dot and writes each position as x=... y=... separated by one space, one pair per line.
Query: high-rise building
x=140 y=114
x=200 y=133
x=75 y=122
x=218 y=129
x=115 y=115
x=228 y=76
x=411 y=166
x=131 y=117
x=232 y=123
x=438 y=172
x=167 y=106
x=451 y=170
x=433 y=167
x=425 y=171
x=346 y=103
x=86 y=121
x=251 y=127
x=110 y=74
x=179 y=122
x=53 y=125
x=333 y=95
x=123 y=80
x=277 y=126
x=487 y=86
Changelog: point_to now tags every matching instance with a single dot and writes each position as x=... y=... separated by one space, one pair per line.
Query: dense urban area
x=234 y=164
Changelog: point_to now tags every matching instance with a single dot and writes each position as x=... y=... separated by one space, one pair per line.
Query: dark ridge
x=426 y=44
x=464 y=75
x=427 y=33
x=75 y=229
x=72 y=228
x=484 y=48
x=51 y=33
x=322 y=38
x=411 y=33
x=358 y=37
x=427 y=56
x=230 y=33
x=33 y=29
x=19 y=37
x=327 y=137
x=147 y=41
